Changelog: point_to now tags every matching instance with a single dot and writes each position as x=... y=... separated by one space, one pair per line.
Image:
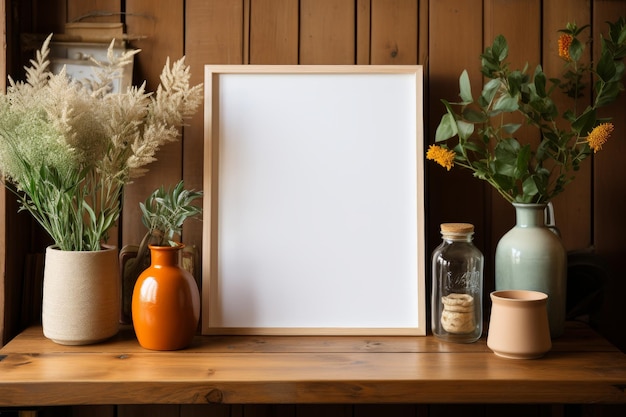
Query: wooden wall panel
x=97 y=11
x=48 y=16
x=94 y=411
x=395 y=410
x=573 y=207
x=327 y=32
x=214 y=32
x=140 y=410
x=3 y=51
x=24 y=235
x=94 y=11
x=363 y=15
x=393 y=32
x=213 y=35
x=315 y=410
x=261 y=410
x=162 y=24
x=206 y=410
x=453 y=196
x=609 y=195
x=274 y=31
x=422 y=37
x=511 y=18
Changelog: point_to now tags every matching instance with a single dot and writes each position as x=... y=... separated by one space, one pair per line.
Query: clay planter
x=518 y=328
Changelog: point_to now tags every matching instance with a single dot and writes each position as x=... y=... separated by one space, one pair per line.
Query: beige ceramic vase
x=518 y=328
x=81 y=296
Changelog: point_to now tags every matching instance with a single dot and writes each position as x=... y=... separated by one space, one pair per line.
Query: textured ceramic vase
x=532 y=257
x=518 y=327
x=166 y=302
x=81 y=296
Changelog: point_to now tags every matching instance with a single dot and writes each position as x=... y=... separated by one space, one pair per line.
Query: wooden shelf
x=581 y=368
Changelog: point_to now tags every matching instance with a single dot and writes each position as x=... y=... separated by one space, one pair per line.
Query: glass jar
x=457 y=285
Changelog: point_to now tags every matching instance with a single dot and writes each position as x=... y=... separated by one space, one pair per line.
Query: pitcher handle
x=548 y=217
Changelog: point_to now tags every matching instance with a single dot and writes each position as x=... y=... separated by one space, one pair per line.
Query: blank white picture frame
x=314 y=200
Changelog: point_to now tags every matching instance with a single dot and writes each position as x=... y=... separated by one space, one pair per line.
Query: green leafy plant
x=163 y=214
x=484 y=127
x=67 y=148
x=165 y=211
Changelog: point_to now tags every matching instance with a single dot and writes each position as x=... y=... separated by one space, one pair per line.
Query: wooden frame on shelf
x=314 y=200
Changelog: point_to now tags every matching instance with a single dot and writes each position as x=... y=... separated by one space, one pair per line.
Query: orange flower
x=599 y=135
x=565 y=41
x=444 y=157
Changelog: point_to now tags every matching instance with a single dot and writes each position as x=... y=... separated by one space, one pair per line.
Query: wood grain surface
x=581 y=368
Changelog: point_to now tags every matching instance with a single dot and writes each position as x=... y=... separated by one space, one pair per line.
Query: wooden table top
x=581 y=368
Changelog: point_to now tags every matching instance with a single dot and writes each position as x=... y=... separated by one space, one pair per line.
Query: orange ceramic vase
x=166 y=302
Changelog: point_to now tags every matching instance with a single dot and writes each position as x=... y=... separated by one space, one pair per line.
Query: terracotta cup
x=518 y=327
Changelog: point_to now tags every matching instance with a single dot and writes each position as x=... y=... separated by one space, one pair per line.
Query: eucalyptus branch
x=518 y=172
x=165 y=211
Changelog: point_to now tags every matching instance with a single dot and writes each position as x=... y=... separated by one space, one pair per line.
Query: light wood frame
x=314 y=200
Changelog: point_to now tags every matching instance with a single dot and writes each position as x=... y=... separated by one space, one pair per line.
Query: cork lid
x=457 y=228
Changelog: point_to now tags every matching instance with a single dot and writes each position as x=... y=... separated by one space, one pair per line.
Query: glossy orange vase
x=166 y=302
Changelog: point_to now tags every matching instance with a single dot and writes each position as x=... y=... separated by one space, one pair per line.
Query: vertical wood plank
x=49 y=16
x=55 y=411
x=519 y=21
x=236 y=410
x=466 y=410
x=510 y=18
x=363 y=20
x=518 y=410
x=423 y=53
x=163 y=25
x=205 y=410
x=327 y=410
x=394 y=26
x=573 y=206
x=141 y=410
x=4 y=12
x=9 y=318
x=327 y=32
x=246 y=32
x=610 y=194
x=274 y=31
x=94 y=10
x=25 y=235
x=268 y=410
x=375 y=410
x=422 y=35
x=213 y=35
x=422 y=410
x=453 y=196
x=94 y=411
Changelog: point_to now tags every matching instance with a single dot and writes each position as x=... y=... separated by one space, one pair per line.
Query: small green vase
x=530 y=256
